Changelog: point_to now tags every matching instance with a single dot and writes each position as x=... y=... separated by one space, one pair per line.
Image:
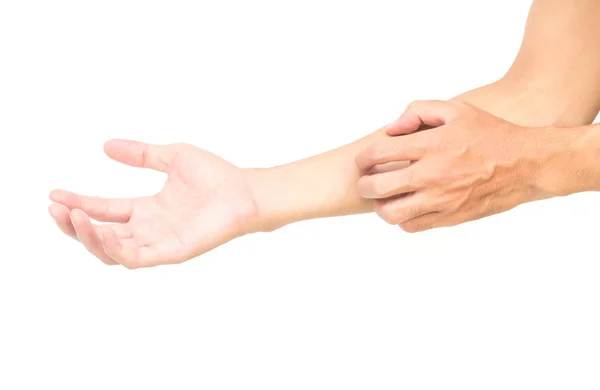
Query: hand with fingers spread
x=204 y=203
x=465 y=164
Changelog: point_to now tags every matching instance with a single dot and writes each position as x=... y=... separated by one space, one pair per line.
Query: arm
x=554 y=80
x=573 y=165
x=206 y=201
x=556 y=74
x=459 y=173
x=319 y=186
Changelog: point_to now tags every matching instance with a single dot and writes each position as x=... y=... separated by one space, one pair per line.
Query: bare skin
x=459 y=172
x=474 y=164
x=207 y=201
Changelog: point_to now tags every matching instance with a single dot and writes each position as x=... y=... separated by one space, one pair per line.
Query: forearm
x=554 y=80
x=325 y=185
x=588 y=173
x=570 y=162
x=315 y=187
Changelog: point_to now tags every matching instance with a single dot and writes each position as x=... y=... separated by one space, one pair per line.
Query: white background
x=347 y=303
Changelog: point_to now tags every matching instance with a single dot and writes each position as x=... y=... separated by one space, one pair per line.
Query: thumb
x=141 y=154
x=422 y=113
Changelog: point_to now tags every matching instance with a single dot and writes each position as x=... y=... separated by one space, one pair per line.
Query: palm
x=205 y=202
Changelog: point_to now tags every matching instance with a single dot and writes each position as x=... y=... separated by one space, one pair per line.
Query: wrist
x=271 y=213
x=306 y=189
x=566 y=160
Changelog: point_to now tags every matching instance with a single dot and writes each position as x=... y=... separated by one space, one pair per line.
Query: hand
x=466 y=164
x=204 y=203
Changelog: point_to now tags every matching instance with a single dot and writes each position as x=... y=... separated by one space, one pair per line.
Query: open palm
x=205 y=202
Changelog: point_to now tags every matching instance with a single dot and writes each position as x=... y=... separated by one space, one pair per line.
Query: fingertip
x=361 y=161
x=108 y=146
x=389 y=126
x=111 y=142
x=405 y=124
x=127 y=152
x=114 y=141
x=63 y=197
x=55 y=195
x=55 y=209
x=113 y=145
x=392 y=129
x=61 y=216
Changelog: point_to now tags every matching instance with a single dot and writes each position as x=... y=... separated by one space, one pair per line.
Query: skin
x=473 y=164
x=459 y=172
x=206 y=201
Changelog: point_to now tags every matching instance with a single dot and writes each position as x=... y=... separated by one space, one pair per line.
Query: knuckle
x=410 y=177
x=398 y=148
x=413 y=179
x=358 y=160
x=438 y=141
x=429 y=179
x=370 y=154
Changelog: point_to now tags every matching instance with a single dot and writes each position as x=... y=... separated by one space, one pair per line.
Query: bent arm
x=554 y=80
x=557 y=70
